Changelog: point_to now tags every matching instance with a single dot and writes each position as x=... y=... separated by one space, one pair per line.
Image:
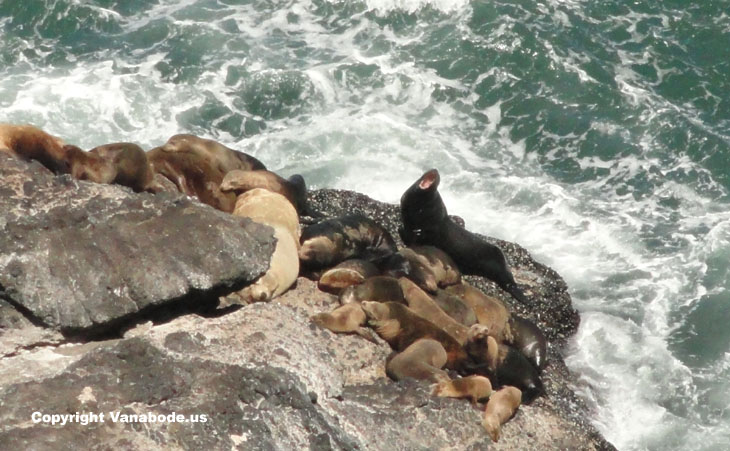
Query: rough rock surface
x=77 y=255
x=263 y=375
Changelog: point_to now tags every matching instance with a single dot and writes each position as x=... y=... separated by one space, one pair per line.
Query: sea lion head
x=236 y=180
x=422 y=208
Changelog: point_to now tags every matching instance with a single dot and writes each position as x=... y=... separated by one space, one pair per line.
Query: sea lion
x=423 y=305
x=294 y=188
x=120 y=163
x=475 y=388
x=222 y=158
x=277 y=212
x=501 y=407
x=193 y=175
x=397 y=265
x=331 y=241
x=31 y=143
x=425 y=221
x=489 y=311
x=344 y=319
x=454 y=307
x=529 y=340
x=345 y=274
x=438 y=262
x=421 y=360
x=376 y=289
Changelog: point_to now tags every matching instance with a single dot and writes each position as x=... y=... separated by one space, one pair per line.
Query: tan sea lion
x=377 y=289
x=276 y=211
x=475 y=388
x=422 y=360
x=222 y=158
x=438 y=262
x=455 y=307
x=294 y=189
x=120 y=163
x=31 y=143
x=422 y=304
x=501 y=407
x=344 y=319
x=489 y=311
x=348 y=273
x=192 y=174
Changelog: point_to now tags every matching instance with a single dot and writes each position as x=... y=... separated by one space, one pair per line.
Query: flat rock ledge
x=256 y=377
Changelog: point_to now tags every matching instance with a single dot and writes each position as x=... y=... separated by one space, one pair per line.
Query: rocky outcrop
x=76 y=256
x=262 y=376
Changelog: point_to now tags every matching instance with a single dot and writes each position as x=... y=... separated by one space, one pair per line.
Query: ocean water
x=594 y=133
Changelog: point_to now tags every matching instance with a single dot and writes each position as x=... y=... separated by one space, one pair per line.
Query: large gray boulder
x=81 y=257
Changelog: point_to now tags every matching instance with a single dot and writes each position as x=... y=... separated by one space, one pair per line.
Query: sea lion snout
x=429 y=180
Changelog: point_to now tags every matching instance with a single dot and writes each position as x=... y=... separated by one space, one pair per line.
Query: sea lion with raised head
x=426 y=221
x=121 y=163
x=332 y=241
x=31 y=143
x=501 y=407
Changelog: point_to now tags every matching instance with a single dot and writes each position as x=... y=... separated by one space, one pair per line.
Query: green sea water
x=594 y=133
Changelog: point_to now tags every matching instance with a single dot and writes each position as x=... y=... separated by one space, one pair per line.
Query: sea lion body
x=294 y=189
x=348 y=273
x=332 y=241
x=277 y=212
x=375 y=289
x=31 y=143
x=421 y=360
x=529 y=340
x=475 y=388
x=122 y=163
x=344 y=319
x=192 y=174
x=488 y=310
x=222 y=158
x=501 y=407
x=423 y=305
x=438 y=262
x=426 y=221
x=454 y=307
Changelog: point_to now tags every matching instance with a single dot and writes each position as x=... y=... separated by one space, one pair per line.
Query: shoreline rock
x=264 y=375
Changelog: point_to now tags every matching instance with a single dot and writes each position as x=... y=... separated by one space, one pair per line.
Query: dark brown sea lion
x=501 y=407
x=425 y=221
x=220 y=157
x=31 y=143
x=348 y=273
x=332 y=241
x=122 y=163
x=194 y=175
x=294 y=188
x=529 y=340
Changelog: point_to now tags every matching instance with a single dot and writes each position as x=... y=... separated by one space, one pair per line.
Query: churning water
x=594 y=133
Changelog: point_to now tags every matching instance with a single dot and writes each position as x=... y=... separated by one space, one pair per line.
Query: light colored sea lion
x=31 y=143
x=344 y=319
x=120 y=163
x=421 y=360
x=475 y=388
x=501 y=407
x=277 y=212
x=348 y=273
x=488 y=310
x=194 y=175
x=426 y=221
x=376 y=289
x=222 y=158
x=294 y=189
x=332 y=241
x=422 y=304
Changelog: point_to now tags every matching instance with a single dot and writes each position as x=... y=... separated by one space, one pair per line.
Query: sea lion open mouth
x=429 y=179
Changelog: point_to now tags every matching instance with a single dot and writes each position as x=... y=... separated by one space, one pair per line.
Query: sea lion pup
x=529 y=340
x=348 y=318
x=220 y=157
x=120 y=163
x=277 y=212
x=376 y=289
x=423 y=305
x=421 y=360
x=476 y=388
x=193 y=175
x=31 y=143
x=488 y=310
x=501 y=407
x=349 y=272
x=425 y=221
x=331 y=241
x=293 y=189
x=454 y=307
